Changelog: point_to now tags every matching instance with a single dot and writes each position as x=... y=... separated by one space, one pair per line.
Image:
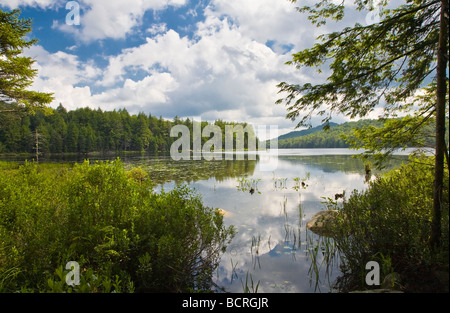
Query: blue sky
x=216 y=59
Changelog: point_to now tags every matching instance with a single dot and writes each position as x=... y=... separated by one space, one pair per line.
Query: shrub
x=115 y=225
x=390 y=223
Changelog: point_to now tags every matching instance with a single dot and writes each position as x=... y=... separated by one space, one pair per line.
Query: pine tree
x=16 y=72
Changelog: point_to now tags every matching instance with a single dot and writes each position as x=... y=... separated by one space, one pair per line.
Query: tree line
x=87 y=130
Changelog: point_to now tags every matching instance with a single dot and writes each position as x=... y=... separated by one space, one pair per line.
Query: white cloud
x=70 y=96
x=157 y=29
x=67 y=67
x=64 y=75
x=148 y=94
x=166 y=50
x=14 y=4
x=266 y=20
x=70 y=79
x=115 y=19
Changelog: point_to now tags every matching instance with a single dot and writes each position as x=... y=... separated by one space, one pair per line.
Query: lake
x=273 y=251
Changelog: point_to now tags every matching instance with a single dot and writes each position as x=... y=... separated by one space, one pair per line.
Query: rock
x=391 y=281
x=321 y=223
x=224 y=213
x=390 y=284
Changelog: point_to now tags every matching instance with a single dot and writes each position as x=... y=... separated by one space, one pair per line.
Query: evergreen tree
x=16 y=73
x=71 y=139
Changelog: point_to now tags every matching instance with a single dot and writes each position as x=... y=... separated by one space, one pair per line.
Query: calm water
x=272 y=248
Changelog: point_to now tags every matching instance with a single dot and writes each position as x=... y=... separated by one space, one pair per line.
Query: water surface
x=272 y=250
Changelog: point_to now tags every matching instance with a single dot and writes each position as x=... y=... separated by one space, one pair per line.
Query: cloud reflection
x=272 y=242
x=272 y=245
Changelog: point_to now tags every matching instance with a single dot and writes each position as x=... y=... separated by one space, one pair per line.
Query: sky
x=213 y=59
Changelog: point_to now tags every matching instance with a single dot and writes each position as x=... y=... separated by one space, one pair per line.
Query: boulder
x=224 y=213
x=392 y=281
x=321 y=223
x=390 y=284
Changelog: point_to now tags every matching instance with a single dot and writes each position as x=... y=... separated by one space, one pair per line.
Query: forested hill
x=86 y=130
x=300 y=133
x=318 y=138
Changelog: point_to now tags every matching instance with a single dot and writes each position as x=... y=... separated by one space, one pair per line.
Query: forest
x=86 y=130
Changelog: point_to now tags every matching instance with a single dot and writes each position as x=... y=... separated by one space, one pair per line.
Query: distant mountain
x=318 y=138
x=305 y=132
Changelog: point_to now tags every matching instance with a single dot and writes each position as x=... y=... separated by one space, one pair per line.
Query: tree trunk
x=441 y=92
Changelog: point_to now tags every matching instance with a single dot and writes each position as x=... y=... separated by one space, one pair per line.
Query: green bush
x=115 y=225
x=390 y=223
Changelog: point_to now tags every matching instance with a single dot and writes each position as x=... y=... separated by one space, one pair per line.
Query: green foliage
x=138 y=174
x=89 y=283
x=390 y=223
x=388 y=65
x=380 y=141
x=16 y=71
x=125 y=236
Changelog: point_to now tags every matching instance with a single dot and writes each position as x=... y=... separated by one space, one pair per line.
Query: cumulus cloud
x=67 y=67
x=220 y=70
x=266 y=20
x=224 y=69
x=70 y=79
x=149 y=94
x=114 y=19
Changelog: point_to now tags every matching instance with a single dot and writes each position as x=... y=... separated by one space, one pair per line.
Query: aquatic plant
x=253 y=288
x=250 y=185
